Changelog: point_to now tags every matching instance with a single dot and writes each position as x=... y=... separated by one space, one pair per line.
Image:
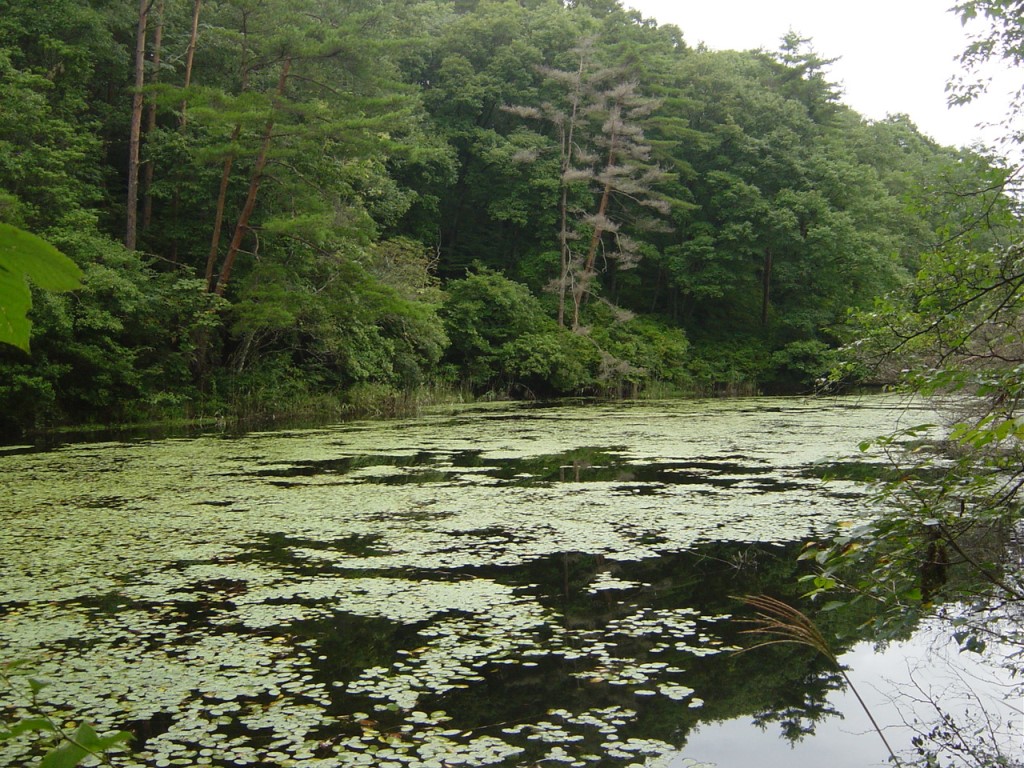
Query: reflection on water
x=902 y=685
x=492 y=586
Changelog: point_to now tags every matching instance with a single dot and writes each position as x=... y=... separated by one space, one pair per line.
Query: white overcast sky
x=895 y=56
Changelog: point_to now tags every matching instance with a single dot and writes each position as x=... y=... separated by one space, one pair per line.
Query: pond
x=499 y=585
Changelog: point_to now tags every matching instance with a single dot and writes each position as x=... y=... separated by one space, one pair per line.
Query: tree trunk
x=135 y=128
x=661 y=280
x=766 y=286
x=147 y=198
x=222 y=194
x=581 y=287
x=567 y=146
x=563 y=275
x=242 y=225
x=218 y=218
x=190 y=55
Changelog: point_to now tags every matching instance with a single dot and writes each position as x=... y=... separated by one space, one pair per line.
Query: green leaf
x=82 y=743
x=88 y=738
x=824 y=582
x=15 y=302
x=27 y=725
x=1005 y=429
x=26 y=254
x=809 y=553
x=67 y=755
x=23 y=255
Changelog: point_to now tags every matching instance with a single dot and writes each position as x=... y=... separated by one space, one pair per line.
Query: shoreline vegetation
x=320 y=410
x=334 y=207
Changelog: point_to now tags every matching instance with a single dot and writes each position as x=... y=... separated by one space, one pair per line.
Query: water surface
x=499 y=585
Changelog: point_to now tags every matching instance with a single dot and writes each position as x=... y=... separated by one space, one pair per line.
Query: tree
x=502 y=339
x=279 y=126
x=998 y=42
x=956 y=330
x=305 y=165
x=624 y=172
x=190 y=59
x=147 y=200
x=804 y=77
x=605 y=170
x=493 y=209
x=255 y=181
x=782 y=226
x=135 y=126
x=949 y=520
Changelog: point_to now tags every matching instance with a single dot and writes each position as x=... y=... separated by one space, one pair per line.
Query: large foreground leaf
x=23 y=255
x=83 y=743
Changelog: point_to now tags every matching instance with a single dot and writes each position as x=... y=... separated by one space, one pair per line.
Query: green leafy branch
x=71 y=748
x=944 y=506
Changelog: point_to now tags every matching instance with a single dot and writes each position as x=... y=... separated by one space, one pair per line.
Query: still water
x=506 y=585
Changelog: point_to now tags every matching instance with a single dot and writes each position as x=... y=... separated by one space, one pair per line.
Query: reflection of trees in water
x=973 y=714
x=783 y=686
x=797 y=722
x=962 y=710
x=962 y=576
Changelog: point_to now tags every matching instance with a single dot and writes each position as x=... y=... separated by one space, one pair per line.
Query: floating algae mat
x=491 y=586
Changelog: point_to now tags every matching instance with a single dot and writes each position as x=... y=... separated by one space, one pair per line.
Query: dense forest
x=308 y=204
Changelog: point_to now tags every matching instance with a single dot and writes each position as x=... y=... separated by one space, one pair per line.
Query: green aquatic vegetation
x=236 y=577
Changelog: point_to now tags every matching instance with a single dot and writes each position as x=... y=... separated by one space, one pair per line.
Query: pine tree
x=608 y=178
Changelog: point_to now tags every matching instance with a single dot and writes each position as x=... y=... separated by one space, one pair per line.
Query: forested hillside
x=286 y=204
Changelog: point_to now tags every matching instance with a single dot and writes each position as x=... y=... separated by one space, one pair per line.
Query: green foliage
x=636 y=351
x=727 y=368
x=354 y=329
x=947 y=512
x=952 y=496
x=503 y=337
x=63 y=749
x=120 y=348
x=801 y=364
x=503 y=340
x=332 y=165
x=551 y=361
